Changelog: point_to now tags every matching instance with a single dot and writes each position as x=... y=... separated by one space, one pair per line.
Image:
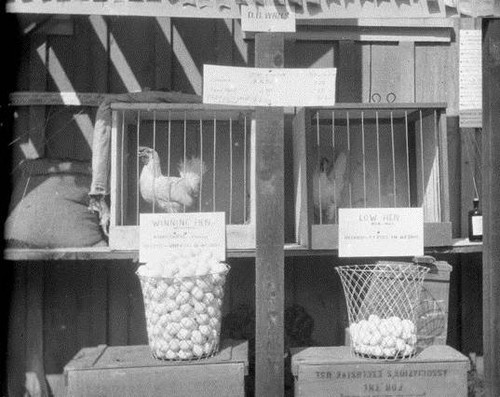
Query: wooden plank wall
x=90 y=303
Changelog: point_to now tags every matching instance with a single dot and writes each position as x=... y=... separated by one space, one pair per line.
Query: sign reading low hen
x=169 y=193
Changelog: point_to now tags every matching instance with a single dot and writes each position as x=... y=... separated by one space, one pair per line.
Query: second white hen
x=328 y=184
x=169 y=193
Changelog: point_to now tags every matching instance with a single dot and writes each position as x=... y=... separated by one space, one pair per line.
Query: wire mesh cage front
x=383 y=302
x=181 y=158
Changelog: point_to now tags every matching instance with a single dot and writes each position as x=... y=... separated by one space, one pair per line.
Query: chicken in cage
x=373 y=155
x=173 y=158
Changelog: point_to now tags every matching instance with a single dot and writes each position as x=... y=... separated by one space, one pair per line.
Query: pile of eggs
x=183 y=298
x=384 y=337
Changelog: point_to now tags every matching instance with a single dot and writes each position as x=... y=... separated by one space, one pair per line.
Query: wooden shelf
x=459 y=246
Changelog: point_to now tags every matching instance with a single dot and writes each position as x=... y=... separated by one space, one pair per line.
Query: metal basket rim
x=381 y=267
x=225 y=272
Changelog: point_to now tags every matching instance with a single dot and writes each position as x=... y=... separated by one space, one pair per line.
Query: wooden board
x=438 y=371
x=132 y=371
x=311 y=9
x=269 y=233
x=491 y=213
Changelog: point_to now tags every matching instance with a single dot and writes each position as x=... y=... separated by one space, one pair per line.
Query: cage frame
x=325 y=236
x=126 y=237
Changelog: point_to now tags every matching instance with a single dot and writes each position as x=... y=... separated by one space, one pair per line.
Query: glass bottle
x=475 y=222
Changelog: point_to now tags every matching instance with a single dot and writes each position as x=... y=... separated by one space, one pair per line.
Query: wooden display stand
x=438 y=371
x=133 y=371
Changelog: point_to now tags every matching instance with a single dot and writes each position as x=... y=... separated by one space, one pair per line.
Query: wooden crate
x=223 y=137
x=132 y=371
x=396 y=157
x=438 y=371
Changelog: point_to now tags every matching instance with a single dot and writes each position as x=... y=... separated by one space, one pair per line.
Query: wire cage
x=370 y=155
x=220 y=138
x=383 y=302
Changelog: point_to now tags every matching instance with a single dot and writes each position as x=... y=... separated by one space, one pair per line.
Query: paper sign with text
x=470 y=79
x=267 y=18
x=160 y=233
x=365 y=232
x=229 y=85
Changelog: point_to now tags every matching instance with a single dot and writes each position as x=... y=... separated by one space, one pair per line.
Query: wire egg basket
x=382 y=302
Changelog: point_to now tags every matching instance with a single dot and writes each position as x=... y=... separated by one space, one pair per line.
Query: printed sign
x=160 y=233
x=229 y=85
x=470 y=79
x=365 y=232
x=269 y=18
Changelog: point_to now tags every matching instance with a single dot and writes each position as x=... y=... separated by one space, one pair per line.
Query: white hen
x=328 y=184
x=169 y=193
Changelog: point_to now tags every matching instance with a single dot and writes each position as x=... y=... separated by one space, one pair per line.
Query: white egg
x=208 y=348
x=384 y=327
x=363 y=349
x=205 y=330
x=365 y=338
x=202 y=318
x=166 y=336
x=197 y=293
x=376 y=351
x=188 y=323
x=170 y=355
x=198 y=350
x=217 y=267
x=173 y=328
x=184 y=334
x=187 y=285
x=400 y=345
x=172 y=291
x=388 y=342
x=186 y=309
x=182 y=298
x=395 y=328
x=213 y=311
x=214 y=322
x=176 y=316
x=186 y=345
x=171 y=305
x=374 y=319
x=389 y=352
x=197 y=337
x=174 y=345
x=408 y=326
x=218 y=291
x=408 y=350
x=375 y=338
x=208 y=298
x=412 y=340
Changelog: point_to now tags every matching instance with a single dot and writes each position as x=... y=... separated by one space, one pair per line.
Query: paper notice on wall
x=229 y=85
x=183 y=233
x=367 y=232
x=267 y=18
x=470 y=79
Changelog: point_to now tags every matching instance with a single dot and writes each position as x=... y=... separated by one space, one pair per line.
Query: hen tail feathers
x=191 y=171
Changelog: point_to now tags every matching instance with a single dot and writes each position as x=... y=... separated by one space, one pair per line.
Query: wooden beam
x=491 y=206
x=35 y=370
x=269 y=261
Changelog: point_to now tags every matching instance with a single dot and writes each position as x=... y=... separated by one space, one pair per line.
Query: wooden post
x=269 y=261
x=491 y=206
